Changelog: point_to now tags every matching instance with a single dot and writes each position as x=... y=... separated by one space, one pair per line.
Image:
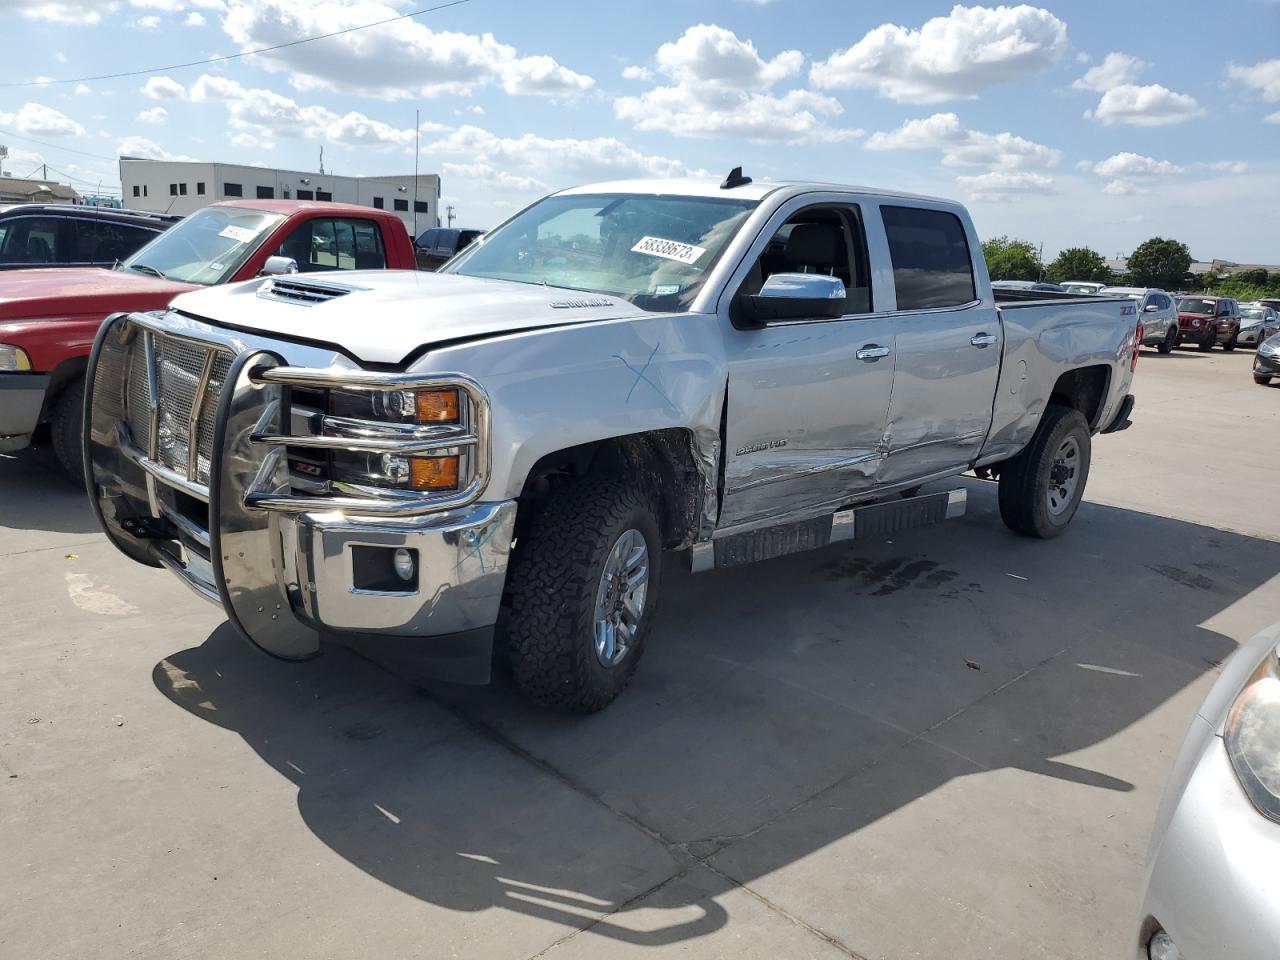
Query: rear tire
x=1169 y=342
x=67 y=424
x=1041 y=488
x=561 y=580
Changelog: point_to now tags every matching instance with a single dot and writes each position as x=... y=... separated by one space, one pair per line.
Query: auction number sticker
x=669 y=249
x=238 y=234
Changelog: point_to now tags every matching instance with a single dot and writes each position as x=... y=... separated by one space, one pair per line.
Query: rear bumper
x=21 y=400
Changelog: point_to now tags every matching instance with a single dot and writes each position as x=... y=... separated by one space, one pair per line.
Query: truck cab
x=620 y=374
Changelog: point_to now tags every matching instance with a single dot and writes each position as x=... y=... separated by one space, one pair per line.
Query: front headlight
x=1252 y=737
x=427 y=414
x=1270 y=349
x=13 y=359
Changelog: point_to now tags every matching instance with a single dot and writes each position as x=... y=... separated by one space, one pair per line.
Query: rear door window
x=31 y=240
x=932 y=265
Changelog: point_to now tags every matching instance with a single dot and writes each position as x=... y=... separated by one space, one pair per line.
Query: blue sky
x=1065 y=124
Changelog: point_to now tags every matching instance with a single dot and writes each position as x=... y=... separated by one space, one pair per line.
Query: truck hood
x=76 y=291
x=383 y=316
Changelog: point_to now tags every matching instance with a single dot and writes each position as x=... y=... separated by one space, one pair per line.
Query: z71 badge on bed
x=669 y=249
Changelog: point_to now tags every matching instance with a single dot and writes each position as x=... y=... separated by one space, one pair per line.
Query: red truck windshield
x=206 y=248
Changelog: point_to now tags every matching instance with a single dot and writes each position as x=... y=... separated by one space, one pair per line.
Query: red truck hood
x=77 y=291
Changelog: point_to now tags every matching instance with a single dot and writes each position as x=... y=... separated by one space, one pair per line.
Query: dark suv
x=1208 y=320
x=63 y=235
x=437 y=246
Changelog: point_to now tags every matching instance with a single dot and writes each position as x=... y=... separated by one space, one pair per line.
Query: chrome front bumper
x=287 y=566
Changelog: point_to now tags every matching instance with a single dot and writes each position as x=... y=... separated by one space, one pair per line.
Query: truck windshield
x=654 y=251
x=207 y=247
x=1196 y=305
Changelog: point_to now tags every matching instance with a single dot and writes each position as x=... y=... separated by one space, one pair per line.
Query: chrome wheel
x=620 y=598
x=1064 y=477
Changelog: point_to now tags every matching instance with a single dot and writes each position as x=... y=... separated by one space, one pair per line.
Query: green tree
x=1009 y=259
x=1160 y=263
x=1079 y=263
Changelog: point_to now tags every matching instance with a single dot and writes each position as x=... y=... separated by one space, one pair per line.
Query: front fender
x=555 y=388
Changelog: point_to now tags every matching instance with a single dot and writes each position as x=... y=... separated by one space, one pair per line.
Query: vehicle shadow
x=36 y=495
x=766 y=691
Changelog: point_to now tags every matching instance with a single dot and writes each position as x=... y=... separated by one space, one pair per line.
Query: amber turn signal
x=433 y=473
x=437 y=406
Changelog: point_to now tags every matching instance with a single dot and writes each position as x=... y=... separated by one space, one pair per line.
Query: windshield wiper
x=147 y=269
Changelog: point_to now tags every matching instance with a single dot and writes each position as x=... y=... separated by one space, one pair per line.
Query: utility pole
x=322 y=158
x=449 y=213
x=44 y=171
x=416 y=125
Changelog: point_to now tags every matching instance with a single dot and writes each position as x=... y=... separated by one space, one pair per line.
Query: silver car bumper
x=21 y=400
x=1214 y=882
x=208 y=495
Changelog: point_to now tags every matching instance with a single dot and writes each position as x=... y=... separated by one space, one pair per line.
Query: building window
x=266 y=193
x=232 y=190
x=182 y=189
x=325 y=196
x=173 y=189
x=144 y=189
x=377 y=202
x=200 y=188
x=421 y=206
x=402 y=206
x=305 y=195
x=137 y=191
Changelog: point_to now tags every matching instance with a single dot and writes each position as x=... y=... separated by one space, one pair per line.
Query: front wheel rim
x=620 y=598
x=1064 y=477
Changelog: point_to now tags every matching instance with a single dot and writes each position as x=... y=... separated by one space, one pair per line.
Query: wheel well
x=67 y=372
x=663 y=460
x=1084 y=390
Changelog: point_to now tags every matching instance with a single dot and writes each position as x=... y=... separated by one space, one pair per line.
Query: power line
x=234 y=56
x=55 y=146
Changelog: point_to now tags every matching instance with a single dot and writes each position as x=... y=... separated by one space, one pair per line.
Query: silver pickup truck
x=734 y=371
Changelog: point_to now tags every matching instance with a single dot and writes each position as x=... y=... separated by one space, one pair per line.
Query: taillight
x=1137 y=342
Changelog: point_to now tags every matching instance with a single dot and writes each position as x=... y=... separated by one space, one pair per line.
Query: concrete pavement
x=805 y=766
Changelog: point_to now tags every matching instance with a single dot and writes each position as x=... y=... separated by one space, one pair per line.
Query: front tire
x=583 y=589
x=1231 y=344
x=1206 y=344
x=1169 y=342
x=1041 y=488
x=67 y=424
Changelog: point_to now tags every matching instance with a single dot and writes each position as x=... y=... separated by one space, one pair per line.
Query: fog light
x=403 y=563
x=1162 y=947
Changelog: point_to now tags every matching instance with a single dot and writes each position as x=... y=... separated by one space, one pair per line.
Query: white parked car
x=1088 y=288
x=1257 y=323
x=1156 y=310
x=1213 y=884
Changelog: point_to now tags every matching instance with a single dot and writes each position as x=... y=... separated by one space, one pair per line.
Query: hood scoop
x=305 y=292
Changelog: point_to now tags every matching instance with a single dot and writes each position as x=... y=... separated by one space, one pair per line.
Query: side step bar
x=872 y=520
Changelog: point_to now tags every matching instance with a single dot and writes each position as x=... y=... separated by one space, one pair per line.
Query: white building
x=167 y=186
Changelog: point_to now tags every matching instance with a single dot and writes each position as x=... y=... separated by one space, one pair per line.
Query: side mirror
x=796 y=296
x=1150 y=308
x=277 y=266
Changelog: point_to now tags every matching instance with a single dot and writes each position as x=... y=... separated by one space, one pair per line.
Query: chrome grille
x=180 y=371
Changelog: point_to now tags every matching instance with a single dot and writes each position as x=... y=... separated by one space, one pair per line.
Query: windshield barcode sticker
x=238 y=234
x=669 y=249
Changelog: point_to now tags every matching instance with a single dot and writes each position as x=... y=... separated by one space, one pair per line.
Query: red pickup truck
x=48 y=318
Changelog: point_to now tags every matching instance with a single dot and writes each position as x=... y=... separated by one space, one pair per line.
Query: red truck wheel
x=67 y=423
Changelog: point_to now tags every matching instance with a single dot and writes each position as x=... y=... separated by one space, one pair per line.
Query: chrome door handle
x=872 y=352
x=982 y=340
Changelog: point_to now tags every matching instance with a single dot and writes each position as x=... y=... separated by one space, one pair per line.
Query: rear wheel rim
x=620 y=598
x=1064 y=477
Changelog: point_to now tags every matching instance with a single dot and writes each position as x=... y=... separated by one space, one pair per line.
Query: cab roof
x=757 y=190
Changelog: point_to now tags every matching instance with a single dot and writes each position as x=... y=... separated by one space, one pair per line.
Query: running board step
x=872 y=520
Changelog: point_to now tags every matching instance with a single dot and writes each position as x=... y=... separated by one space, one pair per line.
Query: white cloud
x=718 y=85
x=1272 y=117
x=38 y=120
x=963 y=147
x=398 y=62
x=949 y=58
x=164 y=88
x=69 y=12
x=1134 y=165
x=635 y=72
x=157 y=116
x=1117 y=69
x=498 y=180
x=1144 y=106
x=1222 y=166
x=194 y=19
x=149 y=22
x=1000 y=185
x=149 y=149
x=82 y=90
x=1262 y=78
x=1122 y=188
